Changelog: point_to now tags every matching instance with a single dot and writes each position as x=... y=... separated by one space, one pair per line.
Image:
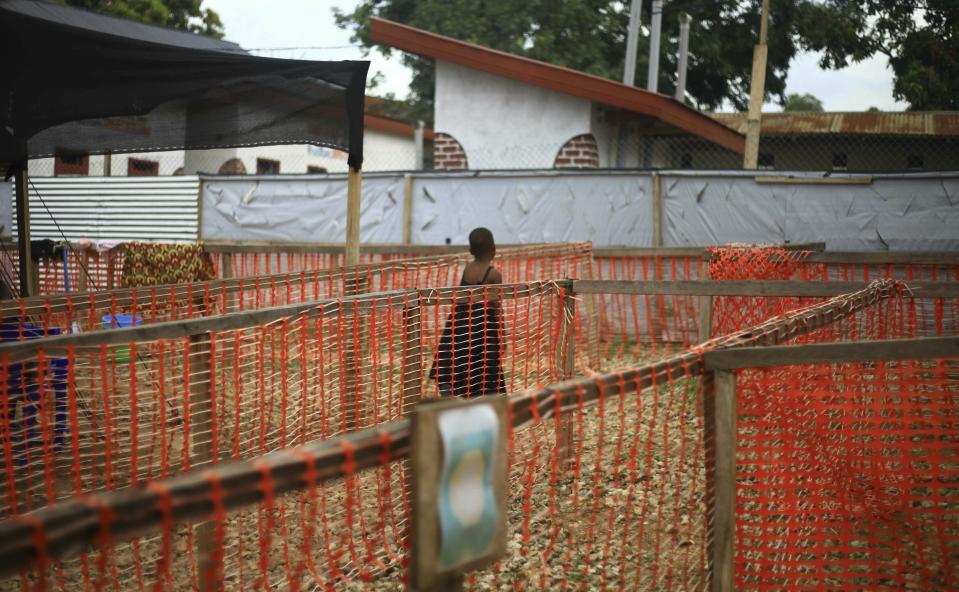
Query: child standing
x=468 y=362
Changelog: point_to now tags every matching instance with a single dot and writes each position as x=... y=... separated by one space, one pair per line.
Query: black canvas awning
x=77 y=82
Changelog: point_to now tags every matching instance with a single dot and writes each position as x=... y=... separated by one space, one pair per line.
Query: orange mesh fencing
x=608 y=473
x=752 y=262
x=93 y=310
x=101 y=411
x=631 y=324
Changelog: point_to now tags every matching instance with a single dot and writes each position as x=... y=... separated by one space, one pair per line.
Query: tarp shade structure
x=77 y=82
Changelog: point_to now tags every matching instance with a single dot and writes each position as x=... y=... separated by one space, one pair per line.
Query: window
x=142 y=168
x=766 y=160
x=313 y=169
x=840 y=162
x=71 y=164
x=916 y=161
x=265 y=166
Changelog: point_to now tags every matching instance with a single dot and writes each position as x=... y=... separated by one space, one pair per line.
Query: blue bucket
x=121 y=354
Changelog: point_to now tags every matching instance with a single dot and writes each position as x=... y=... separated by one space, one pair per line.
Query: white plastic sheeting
x=895 y=213
x=299 y=209
x=608 y=209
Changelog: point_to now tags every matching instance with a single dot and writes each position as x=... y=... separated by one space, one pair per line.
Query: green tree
x=590 y=35
x=920 y=39
x=805 y=102
x=179 y=14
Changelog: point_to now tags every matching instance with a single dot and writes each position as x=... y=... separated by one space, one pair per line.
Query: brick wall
x=234 y=166
x=580 y=152
x=448 y=154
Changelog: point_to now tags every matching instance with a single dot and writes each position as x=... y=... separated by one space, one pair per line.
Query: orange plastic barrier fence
x=624 y=506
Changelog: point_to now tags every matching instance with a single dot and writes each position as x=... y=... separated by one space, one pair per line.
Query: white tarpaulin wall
x=299 y=209
x=901 y=214
x=607 y=209
x=904 y=212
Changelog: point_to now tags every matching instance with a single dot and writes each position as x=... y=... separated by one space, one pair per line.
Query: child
x=468 y=361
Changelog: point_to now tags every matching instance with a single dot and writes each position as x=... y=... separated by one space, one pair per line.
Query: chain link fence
x=785 y=152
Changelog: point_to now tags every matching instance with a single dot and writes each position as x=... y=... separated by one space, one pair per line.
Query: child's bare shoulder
x=495 y=277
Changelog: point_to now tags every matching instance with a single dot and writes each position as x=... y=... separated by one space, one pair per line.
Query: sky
x=308 y=26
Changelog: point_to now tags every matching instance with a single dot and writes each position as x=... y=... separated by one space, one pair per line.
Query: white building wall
x=504 y=123
x=382 y=152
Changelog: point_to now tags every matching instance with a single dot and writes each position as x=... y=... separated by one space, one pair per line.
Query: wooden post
x=28 y=272
x=705 y=306
x=232 y=302
x=657 y=210
x=564 y=436
x=757 y=91
x=408 y=210
x=722 y=412
x=354 y=283
x=426 y=467
x=412 y=355
x=201 y=445
x=353 y=192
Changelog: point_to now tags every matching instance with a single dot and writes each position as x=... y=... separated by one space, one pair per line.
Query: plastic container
x=23 y=390
x=121 y=354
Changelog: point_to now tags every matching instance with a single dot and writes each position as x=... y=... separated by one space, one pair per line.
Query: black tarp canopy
x=77 y=82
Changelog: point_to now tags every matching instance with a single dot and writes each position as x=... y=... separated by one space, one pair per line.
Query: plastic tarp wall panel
x=920 y=214
x=606 y=209
x=299 y=210
x=6 y=209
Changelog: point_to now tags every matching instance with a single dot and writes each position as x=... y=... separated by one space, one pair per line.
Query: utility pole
x=652 y=80
x=683 y=57
x=632 y=40
x=756 y=92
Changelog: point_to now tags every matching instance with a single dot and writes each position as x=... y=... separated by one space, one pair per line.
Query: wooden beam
x=797 y=288
x=28 y=272
x=412 y=349
x=353 y=197
x=784 y=180
x=833 y=353
x=657 y=210
x=945 y=258
x=408 y=210
x=723 y=512
x=705 y=319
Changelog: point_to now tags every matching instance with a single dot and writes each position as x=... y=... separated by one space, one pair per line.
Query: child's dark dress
x=467 y=362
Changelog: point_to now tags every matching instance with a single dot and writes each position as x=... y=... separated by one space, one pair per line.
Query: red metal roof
x=564 y=80
x=908 y=123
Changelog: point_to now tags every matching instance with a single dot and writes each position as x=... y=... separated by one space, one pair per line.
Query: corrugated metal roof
x=908 y=123
x=153 y=209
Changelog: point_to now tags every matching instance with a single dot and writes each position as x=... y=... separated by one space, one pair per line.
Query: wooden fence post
x=412 y=354
x=201 y=444
x=355 y=350
x=705 y=306
x=567 y=343
x=720 y=417
x=408 y=210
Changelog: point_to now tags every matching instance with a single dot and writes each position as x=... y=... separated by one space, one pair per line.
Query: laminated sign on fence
x=459 y=508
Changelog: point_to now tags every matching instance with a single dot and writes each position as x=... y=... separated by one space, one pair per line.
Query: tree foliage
x=920 y=38
x=188 y=15
x=590 y=35
x=805 y=102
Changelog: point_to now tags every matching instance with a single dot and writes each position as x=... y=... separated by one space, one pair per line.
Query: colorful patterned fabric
x=152 y=264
